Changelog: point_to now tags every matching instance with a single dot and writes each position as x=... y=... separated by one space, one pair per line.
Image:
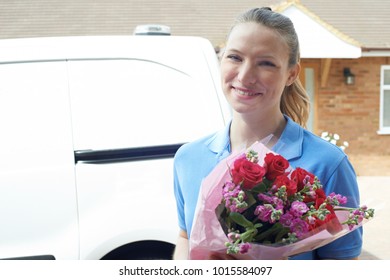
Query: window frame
x=382 y=128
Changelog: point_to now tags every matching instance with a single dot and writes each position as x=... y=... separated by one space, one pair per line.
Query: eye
x=234 y=57
x=267 y=63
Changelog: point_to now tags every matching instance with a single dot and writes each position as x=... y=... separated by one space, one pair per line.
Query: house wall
x=352 y=111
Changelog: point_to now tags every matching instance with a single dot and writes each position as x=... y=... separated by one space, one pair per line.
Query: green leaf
x=248 y=235
x=250 y=200
x=281 y=234
x=269 y=234
x=260 y=188
x=240 y=220
x=263 y=187
x=258 y=225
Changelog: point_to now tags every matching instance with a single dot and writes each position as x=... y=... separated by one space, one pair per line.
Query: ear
x=293 y=74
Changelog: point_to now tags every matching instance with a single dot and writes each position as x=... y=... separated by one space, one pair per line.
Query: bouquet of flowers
x=258 y=207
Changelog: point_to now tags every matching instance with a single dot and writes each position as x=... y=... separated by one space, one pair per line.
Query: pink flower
x=286 y=219
x=244 y=248
x=234 y=197
x=265 y=197
x=264 y=212
x=299 y=227
x=267 y=213
x=337 y=199
x=298 y=208
x=273 y=200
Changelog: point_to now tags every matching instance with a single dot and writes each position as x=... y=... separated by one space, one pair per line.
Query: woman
x=259 y=71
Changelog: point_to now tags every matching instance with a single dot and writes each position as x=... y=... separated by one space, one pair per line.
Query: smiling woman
x=259 y=75
x=254 y=75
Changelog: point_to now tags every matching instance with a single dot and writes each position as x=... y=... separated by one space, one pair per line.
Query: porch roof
x=317 y=38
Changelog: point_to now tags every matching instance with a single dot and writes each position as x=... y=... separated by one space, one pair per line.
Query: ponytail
x=295 y=103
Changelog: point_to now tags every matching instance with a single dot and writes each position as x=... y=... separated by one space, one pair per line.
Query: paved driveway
x=375 y=192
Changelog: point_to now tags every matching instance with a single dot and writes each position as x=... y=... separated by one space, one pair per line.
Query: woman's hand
x=182 y=247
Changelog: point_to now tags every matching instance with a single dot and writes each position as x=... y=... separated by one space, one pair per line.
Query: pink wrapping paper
x=208 y=236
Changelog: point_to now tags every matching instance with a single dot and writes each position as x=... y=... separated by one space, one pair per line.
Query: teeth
x=240 y=92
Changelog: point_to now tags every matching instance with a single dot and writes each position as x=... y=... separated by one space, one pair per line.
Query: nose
x=246 y=74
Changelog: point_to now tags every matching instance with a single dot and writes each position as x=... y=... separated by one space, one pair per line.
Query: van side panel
x=38 y=207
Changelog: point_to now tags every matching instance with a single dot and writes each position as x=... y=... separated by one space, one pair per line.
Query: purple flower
x=359 y=215
x=299 y=227
x=286 y=219
x=298 y=208
x=337 y=199
x=267 y=213
x=234 y=197
x=273 y=200
x=311 y=220
x=264 y=212
x=230 y=189
x=233 y=236
x=264 y=197
x=306 y=180
x=311 y=194
x=244 y=248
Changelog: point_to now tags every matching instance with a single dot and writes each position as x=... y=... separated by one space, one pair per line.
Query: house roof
x=318 y=39
x=356 y=22
x=365 y=21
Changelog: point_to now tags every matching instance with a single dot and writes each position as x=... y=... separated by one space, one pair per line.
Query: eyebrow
x=240 y=52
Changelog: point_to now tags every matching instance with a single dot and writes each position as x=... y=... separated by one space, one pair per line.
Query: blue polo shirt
x=195 y=160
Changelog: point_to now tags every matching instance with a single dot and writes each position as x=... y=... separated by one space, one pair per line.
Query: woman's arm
x=181 y=250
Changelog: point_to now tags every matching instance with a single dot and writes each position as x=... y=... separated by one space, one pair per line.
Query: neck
x=245 y=130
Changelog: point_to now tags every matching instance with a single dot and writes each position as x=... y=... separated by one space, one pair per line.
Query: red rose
x=331 y=223
x=283 y=180
x=320 y=198
x=299 y=175
x=247 y=173
x=276 y=165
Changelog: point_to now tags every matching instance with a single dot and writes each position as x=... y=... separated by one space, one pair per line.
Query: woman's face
x=254 y=69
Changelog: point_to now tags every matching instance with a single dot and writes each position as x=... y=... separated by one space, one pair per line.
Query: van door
x=130 y=116
x=38 y=206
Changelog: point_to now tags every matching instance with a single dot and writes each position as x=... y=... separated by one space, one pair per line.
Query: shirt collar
x=291 y=141
x=220 y=142
x=289 y=145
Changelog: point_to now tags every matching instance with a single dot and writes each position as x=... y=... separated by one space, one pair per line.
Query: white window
x=384 y=118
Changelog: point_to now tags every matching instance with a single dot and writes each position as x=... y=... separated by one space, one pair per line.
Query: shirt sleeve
x=179 y=198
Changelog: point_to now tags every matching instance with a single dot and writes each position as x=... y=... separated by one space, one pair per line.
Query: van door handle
x=126 y=154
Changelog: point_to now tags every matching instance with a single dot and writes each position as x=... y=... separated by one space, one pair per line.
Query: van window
x=120 y=103
x=34 y=113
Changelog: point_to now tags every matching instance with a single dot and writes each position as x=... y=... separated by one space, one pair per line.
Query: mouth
x=244 y=92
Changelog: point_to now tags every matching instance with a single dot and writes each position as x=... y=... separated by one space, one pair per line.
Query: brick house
x=337 y=38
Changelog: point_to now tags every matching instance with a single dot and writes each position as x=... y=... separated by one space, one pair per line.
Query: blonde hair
x=294 y=102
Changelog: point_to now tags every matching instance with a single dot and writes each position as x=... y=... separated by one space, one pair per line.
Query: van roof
x=98 y=47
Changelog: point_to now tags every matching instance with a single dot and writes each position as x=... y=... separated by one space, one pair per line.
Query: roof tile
x=363 y=21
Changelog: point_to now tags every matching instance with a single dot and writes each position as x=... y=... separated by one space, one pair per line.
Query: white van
x=89 y=127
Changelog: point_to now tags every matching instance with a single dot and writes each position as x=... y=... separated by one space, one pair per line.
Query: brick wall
x=352 y=111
